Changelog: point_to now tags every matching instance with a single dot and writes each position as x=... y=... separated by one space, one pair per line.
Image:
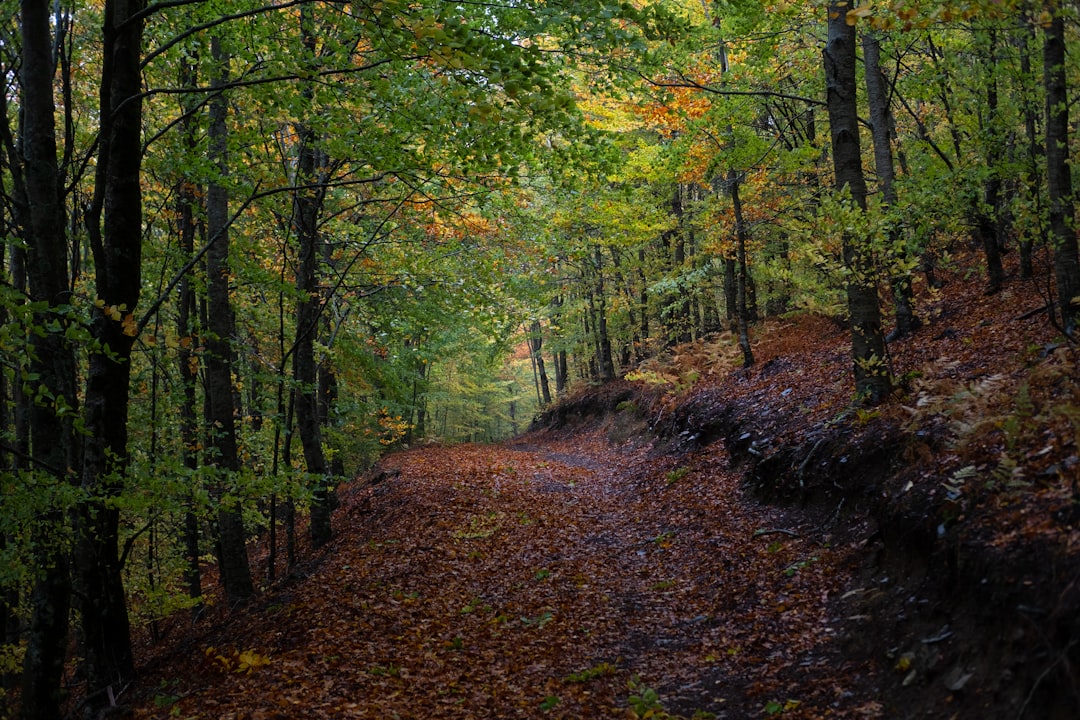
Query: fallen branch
x=776 y=531
x=1033 y=313
x=806 y=461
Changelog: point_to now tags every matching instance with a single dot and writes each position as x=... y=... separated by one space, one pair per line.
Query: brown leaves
x=491 y=582
x=540 y=579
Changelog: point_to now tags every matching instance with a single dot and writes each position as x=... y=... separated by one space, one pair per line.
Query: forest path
x=562 y=579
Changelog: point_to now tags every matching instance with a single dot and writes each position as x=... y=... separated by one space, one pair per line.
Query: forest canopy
x=250 y=247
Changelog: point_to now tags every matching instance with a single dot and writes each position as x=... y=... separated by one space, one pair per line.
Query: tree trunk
x=420 y=399
x=1032 y=188
x=536 y=341
x=186 y=204
x=643 y=306
x=882 y=123
x=307 y=204
x=558 y=358
x=117 y=210
x=605 y=362
x=1058 y=178
x=740 y=282
x=221 y=329
x=562 y=373
x=731 y=307
x=630 y=346
x=51 y=365
x=988 y=215
x=872 y=377
x=682 y=317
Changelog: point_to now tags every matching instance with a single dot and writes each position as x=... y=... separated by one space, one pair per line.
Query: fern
x=954 y=486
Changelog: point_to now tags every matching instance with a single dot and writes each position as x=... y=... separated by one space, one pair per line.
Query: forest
x=255 y=250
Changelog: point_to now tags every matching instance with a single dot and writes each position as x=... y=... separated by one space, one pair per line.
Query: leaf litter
x=564 y=576
x=556 y=579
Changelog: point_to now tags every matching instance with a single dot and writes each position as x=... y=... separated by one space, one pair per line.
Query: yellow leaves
x=119 y=313
x=860 y=12
x=113 y=312
x=129 y=326
x=237 y=661
x=250 y=660
x=392 y=427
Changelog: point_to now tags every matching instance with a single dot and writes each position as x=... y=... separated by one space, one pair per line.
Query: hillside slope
x=960 y=491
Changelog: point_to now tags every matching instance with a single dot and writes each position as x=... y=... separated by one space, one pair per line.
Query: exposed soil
x=708 y=541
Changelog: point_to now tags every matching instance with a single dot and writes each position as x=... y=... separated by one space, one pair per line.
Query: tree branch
x=691 y=84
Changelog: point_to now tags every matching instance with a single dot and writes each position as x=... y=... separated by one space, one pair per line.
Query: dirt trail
x=566 y=580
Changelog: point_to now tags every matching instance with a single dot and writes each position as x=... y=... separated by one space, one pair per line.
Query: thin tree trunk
x=290 y=502
x=9 y=593
x=186 y=204
x=1035 y=153
x=559 y=365
x=235 y=567
x=988 y=216
x=307 y=204
x=740 y=283
x=881 y=120
x=684 y=321
x=643 y=306
x=872 y=377
x=731 y=307
x=536 y=341
x=606 y=365
x=631 y=346
x=1058 y=173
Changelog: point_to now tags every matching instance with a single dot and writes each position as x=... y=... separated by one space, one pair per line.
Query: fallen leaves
x=480 y=582
x=563 y=577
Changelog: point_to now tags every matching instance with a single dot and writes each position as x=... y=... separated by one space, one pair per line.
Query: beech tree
x=872 y=377
x=1058 y=170
x=50 y=372
x=220 y=355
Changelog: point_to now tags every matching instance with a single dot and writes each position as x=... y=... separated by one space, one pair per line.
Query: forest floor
x=705 y=542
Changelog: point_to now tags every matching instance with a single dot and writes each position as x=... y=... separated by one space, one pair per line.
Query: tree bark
x=643 y=306
x=307 y=204
x=221 y=329
x=1032 y=188
x=743 y=319
x=605 y=362
x=536 y=342
x=872 y=377
x=186 y=204
x=988 y=215
x=882 y=124
x=1058 y=177
x=52 y=362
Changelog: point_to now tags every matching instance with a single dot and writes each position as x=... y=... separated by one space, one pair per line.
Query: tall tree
x=536 y=342
x=307 y=204
x=115 y=228
x=1059 y=172
x=989 y=215
x=872 y=377
x=52 y=361
x=220 y=333
x=187 y=207
x=742 y=312
x=882 y=127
